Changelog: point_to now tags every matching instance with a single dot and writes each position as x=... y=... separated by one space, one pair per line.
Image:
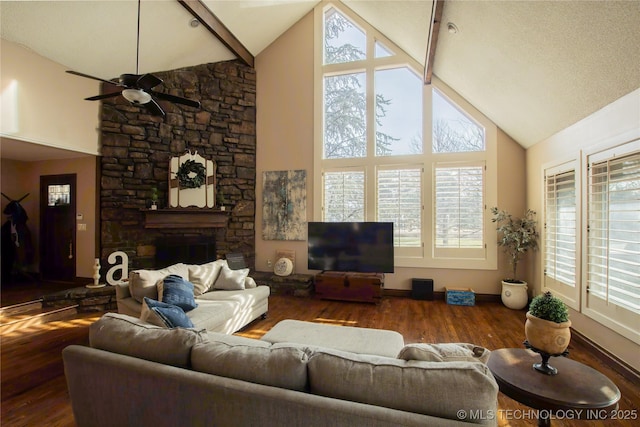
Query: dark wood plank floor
x=34 y=390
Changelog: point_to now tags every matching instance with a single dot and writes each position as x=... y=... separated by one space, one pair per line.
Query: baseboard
x=403 y=293
x=620 y=366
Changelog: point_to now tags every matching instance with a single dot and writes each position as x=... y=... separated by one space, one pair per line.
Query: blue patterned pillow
x=177 y=291
x=172 y=315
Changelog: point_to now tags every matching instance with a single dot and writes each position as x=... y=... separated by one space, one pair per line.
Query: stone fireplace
x=137 y=147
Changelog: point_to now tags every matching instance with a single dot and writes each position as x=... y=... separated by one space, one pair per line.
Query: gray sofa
x=136 y=374
x=227 y=300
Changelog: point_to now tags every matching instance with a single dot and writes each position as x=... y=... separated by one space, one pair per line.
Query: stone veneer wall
x=137 y=147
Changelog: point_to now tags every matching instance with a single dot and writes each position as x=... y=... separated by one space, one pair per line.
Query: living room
x=284 y=130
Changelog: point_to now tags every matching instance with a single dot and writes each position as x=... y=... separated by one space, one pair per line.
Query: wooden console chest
x=362 y=287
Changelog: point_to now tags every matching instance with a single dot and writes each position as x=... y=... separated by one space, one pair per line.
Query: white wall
x=617 y=123
x=42 y=104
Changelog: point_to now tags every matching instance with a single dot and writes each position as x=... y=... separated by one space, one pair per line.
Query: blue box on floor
x=460 y=296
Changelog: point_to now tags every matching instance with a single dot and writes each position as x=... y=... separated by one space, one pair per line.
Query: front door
x=57 y=228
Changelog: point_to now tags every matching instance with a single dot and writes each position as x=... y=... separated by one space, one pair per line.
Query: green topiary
x=548 y=307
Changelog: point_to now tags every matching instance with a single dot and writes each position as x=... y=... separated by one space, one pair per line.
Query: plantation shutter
x=613 y=209
x=343 y=196
x=400 y=202
x=560 y=228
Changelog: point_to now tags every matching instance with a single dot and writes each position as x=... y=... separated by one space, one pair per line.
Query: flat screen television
x=364 y=247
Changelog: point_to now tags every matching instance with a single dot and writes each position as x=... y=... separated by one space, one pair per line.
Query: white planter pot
x=514 y=295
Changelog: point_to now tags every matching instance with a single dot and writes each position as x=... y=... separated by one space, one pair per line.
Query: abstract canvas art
x=284 y=205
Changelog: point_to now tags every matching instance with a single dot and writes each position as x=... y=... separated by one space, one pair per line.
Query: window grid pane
x=343 y=41
x=453 y=131
x=459 y=207
x=344 y=196
x=614 y=231
x=399 y=201
x=345 y=122
x=560 y=228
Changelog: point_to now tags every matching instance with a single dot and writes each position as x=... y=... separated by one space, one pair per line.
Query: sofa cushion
x=166 y=315
x=203 y=276
x=231 y=279
x=144 y=283
x=176 y=290
x=431 y=388
x=122 y=334
x=275 y=365
x=446 y=352
x=214 y=315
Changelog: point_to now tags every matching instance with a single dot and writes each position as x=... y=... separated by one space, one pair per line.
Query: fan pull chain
x=138 y=39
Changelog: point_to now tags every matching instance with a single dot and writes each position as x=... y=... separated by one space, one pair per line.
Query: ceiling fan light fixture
x=136 y=96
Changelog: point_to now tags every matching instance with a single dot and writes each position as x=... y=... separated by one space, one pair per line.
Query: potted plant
x=547 y=325
x=154 y=198
x=222 y=199
x=517 y=236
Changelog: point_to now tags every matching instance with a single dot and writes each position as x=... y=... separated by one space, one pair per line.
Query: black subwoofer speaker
x=422 y=289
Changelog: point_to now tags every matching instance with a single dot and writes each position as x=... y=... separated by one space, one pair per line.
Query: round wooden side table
x=576 y=387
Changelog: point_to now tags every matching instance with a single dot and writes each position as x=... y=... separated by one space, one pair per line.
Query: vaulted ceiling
x=532 y=67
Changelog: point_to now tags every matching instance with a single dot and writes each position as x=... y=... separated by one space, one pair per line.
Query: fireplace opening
x=185 y=249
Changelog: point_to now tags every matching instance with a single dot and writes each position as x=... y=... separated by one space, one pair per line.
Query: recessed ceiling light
x=451 y=27
x=194 y=22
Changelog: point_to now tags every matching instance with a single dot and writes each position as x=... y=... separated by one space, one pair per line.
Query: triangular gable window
x=343 y=40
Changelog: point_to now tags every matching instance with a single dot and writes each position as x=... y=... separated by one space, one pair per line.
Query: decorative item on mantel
x=154 y=198
x=96 y=275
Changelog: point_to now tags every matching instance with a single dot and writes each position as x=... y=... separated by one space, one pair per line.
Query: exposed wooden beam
x=218 y=29
x=436 y=17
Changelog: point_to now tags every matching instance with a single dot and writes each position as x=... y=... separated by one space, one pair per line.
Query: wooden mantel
x=185 y=218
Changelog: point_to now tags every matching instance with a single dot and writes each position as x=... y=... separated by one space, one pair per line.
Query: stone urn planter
x=551 y=337
x=514 y=294
x=547 y=330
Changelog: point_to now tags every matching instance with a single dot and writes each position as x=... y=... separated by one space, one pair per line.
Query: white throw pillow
x=204 y=276
x=231 y=280
x=250 y=283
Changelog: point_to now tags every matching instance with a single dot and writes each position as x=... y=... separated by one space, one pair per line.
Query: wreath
x=184 y=174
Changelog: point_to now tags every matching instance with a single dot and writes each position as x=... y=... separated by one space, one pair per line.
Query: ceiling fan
x=138 y=88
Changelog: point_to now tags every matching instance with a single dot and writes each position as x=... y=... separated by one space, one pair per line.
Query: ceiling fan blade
x=91 y=77
x=154 y=108
x=103 y=96
x=147 y=81
x=176 y=99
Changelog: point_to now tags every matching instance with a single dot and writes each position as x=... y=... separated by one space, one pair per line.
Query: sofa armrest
x=122 y=291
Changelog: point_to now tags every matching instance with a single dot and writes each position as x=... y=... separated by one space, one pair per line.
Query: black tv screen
x=364 y=247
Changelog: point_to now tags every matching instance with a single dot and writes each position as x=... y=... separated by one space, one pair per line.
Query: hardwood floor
x=34 y=390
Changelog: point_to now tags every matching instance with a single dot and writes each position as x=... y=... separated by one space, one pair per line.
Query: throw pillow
x=175 y=290
x=447 y=352
x=250 y=283
x=231 y=280
x=150 y=316
x=171 y=316
x=203 y=276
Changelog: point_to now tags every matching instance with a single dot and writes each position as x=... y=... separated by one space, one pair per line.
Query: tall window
x=560 y=228
x=613 y=238
x=390 y=148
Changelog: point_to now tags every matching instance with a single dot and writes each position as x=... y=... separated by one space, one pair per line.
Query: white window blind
x=613 y=210
x=459 y=206
x=400 y=201
x=560 y=228
x=344 y=196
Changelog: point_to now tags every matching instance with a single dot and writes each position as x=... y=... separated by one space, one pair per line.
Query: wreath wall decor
x=191 y=174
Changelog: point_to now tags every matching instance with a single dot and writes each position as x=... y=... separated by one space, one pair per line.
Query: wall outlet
x=82 y=227
x=269 y=263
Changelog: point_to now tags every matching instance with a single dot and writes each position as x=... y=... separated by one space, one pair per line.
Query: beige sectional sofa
x=227 y=300
x=137 y=374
